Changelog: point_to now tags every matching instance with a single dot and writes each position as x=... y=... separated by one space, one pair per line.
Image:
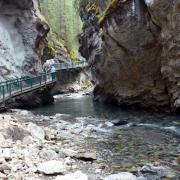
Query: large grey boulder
x=121 y=176
x=78 y=175
x=52 y=167
x=36 y=131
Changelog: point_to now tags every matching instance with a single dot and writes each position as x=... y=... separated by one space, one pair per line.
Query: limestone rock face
x=22 y=30
x=133 y=50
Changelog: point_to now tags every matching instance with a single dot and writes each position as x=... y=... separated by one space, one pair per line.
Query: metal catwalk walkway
x=15 y=87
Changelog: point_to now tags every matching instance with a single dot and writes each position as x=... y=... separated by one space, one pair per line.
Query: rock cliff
x=132 y=47
x=22 y=30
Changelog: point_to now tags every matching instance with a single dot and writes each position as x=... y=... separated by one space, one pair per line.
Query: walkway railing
x=15 y=87
x=18 y=86
x=71 y=65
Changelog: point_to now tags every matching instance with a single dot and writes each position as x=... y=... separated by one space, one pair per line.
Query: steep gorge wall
x=132 y=47
x=22 y=30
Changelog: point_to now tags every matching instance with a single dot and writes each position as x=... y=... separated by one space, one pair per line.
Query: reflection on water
x=148 y=137
x=83 y=106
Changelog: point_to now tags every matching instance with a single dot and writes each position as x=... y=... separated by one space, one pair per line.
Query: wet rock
x=78 y=175
x=85 y=156
x=52 y=167
x=153 y=172
x=120 y=123
x=121 y=176
x=36 y=131
x=109 y=124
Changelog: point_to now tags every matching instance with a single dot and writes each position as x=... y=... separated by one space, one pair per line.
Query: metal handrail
x=19 y=85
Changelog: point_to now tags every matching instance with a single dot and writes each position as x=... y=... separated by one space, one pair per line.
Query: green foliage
x=111 y=8
x=87 y=83
x=93 y=8
x=65 y=23
x=54 y=40
x=52 y=49
x=74 y=55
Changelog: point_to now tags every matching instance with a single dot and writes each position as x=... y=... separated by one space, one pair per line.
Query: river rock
x=121 y=176
x=2 y=175
x=27 y=140
x=85 y=156
x=52 y=167
x=4 y=167
x=48 y=154
x=109 y=124
x=68 y=152
x=68 y=161
x=78 y=175
x=153 y=172
x=2 y=139
x=120 y=123
x=6 y=153
x=36 y=131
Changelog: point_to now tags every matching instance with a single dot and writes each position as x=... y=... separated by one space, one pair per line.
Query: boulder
x=6 y=153
x=48 y=154
x=120 y=123
x=27 y=140
x=78 y=175
x=36 y=131
x=121 y=176
x=52 y=167
x=150 y=171
x=85 y=156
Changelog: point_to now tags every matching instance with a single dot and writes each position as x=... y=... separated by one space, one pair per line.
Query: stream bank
x=77 y=138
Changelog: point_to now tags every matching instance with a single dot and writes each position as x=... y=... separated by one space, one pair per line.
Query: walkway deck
x=15 y=87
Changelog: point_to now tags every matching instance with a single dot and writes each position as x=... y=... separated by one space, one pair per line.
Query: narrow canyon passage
x=90 y=89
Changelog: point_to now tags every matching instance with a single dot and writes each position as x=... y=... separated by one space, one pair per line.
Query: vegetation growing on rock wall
x=110 y=9
x=95 y=7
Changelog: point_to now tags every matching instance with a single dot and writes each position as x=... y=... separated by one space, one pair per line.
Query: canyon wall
x=22 y=31
x=132 y=47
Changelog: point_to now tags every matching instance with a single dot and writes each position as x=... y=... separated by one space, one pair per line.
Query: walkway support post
x=31 y=82
x=10 y=89
x=3 y=95
x=21 y=85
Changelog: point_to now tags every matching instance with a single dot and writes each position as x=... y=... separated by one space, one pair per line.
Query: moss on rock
x=109 y=10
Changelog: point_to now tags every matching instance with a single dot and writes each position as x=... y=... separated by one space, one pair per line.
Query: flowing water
x=144 y=137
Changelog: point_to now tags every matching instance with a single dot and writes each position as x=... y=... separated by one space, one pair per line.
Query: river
x=141 y=137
